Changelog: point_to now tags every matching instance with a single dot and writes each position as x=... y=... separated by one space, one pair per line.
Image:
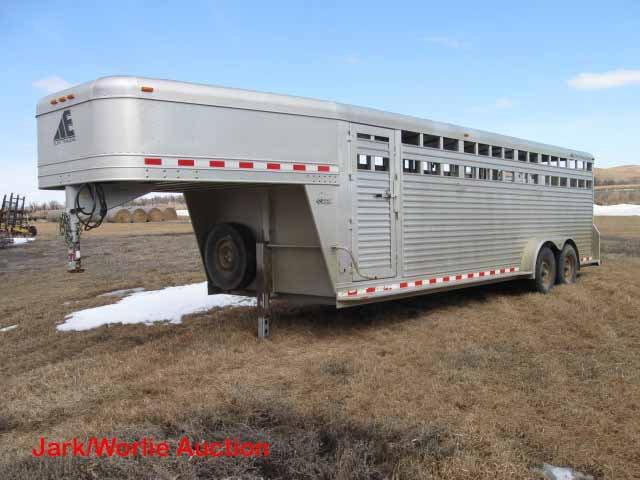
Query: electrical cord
x=98 y=207
x=353 y=262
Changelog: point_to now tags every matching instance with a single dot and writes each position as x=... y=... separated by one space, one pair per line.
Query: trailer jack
x=70 y=231
x=86 y=209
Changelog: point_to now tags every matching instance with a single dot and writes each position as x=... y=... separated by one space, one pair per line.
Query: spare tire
x=230 y=256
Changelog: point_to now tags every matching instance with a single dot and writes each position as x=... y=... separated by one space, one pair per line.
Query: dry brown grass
x=616 y=196
x=478 y=384
x=623 y=227
x=620 y=236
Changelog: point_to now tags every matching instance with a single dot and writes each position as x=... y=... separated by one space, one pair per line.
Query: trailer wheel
x=545 y=270
x=567 y=265
x=33 y=231
x=230 y=256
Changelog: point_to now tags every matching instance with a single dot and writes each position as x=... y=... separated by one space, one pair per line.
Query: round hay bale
x=170 y=213
x=154 y=214
x=138 y=215
x=120 y=215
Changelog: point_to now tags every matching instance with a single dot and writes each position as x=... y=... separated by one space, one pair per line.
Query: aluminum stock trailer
x=316 y=201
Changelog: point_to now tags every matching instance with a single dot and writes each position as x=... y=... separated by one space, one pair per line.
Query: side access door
x=373 y=199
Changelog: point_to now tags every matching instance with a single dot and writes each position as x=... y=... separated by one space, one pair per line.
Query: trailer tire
x=567 y=265
x=33 y=231
x=545 y=270
x=230 y=256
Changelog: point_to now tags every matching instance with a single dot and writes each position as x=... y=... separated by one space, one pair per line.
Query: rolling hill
x=617 y=185
x=624 y=175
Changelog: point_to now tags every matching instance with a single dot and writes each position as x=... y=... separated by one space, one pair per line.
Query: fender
x=531 y=250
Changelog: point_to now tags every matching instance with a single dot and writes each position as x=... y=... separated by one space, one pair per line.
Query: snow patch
x=561 y=473
x=166 y=305
x=122 y=293
x=6 y=329
x=182 y=213
x=621 y=210
x=22 y=240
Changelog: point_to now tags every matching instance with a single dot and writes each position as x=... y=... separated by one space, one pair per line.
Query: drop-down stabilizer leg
x=263 y=289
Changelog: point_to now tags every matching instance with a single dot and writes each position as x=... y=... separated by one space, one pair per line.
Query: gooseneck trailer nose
x=316 y=201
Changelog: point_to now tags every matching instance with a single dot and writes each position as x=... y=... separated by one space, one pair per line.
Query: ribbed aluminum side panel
x=456 y=224
x=373 y=221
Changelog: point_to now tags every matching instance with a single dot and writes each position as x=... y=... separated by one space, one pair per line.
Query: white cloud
x=51 y=84
x=611 y=79
x=351 y=59
x=504 y=103
x=448 y=42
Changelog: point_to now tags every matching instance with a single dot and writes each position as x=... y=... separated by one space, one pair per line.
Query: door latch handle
x=386 y=195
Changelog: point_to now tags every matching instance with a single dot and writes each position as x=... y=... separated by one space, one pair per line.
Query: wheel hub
x=225 y=254
x=569 y=267
x=546 y=273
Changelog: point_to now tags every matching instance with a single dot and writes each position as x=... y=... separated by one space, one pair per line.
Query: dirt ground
x=485 y=383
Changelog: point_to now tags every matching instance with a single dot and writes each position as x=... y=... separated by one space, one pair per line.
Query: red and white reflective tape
x=424 y=283
x=586 y=259
x=239 y=165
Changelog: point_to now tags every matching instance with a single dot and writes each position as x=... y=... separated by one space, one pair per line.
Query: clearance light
x=71 y=96
x=147 y=89
x=53 y=102
x=62 y=99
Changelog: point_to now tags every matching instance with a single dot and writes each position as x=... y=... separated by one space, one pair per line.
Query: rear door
x=374 y=220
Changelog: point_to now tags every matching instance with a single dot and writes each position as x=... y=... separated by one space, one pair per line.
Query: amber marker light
x=53 y=102
x=147 y=89
x=71 y=96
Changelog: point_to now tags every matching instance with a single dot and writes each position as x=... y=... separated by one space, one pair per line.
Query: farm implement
x=14 y=221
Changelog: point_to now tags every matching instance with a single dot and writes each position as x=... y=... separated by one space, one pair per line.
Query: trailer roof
x=184 y=92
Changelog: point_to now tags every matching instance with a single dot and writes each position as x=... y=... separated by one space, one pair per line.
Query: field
x=486 y=383
x=617 y=185
x=626 y=174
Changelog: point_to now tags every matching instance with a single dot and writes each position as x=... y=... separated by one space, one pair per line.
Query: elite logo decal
x=65 y=132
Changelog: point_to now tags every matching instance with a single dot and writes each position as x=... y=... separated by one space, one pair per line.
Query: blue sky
x=565 y=73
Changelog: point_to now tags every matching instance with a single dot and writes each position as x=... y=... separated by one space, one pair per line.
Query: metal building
x=319 y=201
